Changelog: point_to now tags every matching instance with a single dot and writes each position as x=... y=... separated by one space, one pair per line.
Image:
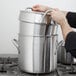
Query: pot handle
x=49 y=22
x=15 y=42
x=60 y=43
x=28 y=9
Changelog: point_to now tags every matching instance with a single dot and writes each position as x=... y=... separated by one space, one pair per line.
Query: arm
x=68 y=34
x=65 y=29
x=60 y=18
x=71 y=18
x=70 y=43
x=65 y=20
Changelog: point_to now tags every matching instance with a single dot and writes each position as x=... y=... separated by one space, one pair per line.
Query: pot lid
x=32 y=16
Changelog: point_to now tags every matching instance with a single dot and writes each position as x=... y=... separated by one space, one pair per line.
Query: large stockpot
x=37 y=54
x=37 y=42
x=35 y=23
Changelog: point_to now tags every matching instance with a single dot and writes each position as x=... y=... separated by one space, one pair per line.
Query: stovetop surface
x=9 y=67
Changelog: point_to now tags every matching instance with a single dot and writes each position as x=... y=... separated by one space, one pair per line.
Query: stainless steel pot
x=35 y=23
x=64 y=57
x=37 y=54
x=37 y=42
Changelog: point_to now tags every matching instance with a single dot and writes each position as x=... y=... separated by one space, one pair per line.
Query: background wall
x=9 y=23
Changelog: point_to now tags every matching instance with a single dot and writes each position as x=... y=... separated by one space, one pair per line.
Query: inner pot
x=35 y=23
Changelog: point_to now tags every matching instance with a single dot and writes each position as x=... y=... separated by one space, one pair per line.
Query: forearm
x=60 y=18
x=65 y=13
x=71 y=18
x=65 y=29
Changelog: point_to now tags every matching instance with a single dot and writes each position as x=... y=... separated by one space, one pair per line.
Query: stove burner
x=9 y=67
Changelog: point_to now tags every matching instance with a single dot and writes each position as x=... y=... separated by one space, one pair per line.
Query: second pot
x=64 y=57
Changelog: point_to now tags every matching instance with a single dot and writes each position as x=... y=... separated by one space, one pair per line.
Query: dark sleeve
x=71 y=18
x=70 y=43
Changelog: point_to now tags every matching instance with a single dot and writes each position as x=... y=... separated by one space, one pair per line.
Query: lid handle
x=28 y=9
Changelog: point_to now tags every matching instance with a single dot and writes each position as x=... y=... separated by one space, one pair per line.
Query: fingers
x=36 y=7
x=56 y=9
x=39 y=8
x=52 y=11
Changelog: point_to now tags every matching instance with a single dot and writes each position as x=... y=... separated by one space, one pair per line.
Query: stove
x=9 y=67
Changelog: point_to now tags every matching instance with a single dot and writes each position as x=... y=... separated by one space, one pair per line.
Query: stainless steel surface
x=32 y=16
x=37 y=54
x=35 y=23
x=31 y=50
x=51 y=53
x=32 y=23
x=52 y=28
x=64 y=57
x=31 y=29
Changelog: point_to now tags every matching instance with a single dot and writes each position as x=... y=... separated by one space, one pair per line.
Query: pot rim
x=25 y=11
x=47 y=36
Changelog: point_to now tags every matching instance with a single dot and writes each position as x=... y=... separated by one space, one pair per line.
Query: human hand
x=40 y=8
x=58 y=16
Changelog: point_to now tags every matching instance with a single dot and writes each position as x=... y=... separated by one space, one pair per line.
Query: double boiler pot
x=37 y=42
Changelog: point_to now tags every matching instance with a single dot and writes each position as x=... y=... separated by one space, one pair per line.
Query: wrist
x=65 y=13
x=65 y=29
x=63 y=22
